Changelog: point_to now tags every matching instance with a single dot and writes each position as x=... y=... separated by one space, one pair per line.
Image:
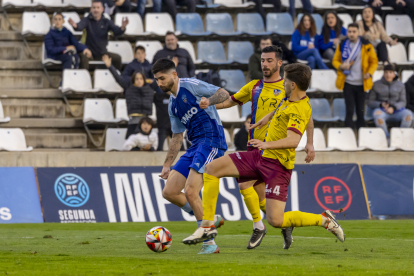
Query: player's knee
x=190 y=193
x=408 y=118
x=275 y=221
x=167 y=194
x=210 y=168
x=380 y=121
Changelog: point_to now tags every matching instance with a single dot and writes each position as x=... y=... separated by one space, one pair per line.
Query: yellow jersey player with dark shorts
x=265 y=95
x=271 y=164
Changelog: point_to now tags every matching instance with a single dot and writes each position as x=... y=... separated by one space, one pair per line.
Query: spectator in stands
x=388 y=100
x=399 y=6
x=112 y=7
x=255 y=67
x=307 y=7
x=332 y=34
x=97 y=28
x=356 y=62
x=145 y=140
x=181 y=58
x=139 y=64
x=409 y=90
x=171 y=6
x=161 y=101
x=371 y=29
x=305 y=44
x=138 y=94
x=277 y=7
x=62 y=45
x=241 y=137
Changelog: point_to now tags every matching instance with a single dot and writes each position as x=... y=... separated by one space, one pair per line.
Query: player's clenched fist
x=204 y=103
x=165 y=172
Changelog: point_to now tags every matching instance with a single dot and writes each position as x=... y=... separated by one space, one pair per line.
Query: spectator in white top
x=145 y=140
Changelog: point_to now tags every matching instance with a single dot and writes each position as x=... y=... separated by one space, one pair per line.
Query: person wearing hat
x=388 y=100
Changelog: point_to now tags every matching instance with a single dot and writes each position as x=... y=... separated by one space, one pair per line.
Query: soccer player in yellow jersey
x=265 y=94
x=273 y=164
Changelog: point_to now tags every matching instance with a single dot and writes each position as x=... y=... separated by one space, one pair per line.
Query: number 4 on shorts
x=276 y=190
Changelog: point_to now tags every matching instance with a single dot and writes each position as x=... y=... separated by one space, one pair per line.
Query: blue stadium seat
x=246 y=109
x=251 y=23
x=190 y=24
x=339 y=109
x=235 y=79
x=321 y=111
x=220 y=24
x=318 y=21
x=211 y=52
x=239 y=51
x=280 y=23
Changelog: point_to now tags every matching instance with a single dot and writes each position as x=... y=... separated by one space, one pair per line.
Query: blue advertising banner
x=19 y=198
x=121 y=194
x=390 y=189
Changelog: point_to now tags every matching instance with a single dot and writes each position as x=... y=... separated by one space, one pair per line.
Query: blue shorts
x=197 y=158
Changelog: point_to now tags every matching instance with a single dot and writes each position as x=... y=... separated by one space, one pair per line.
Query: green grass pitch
x=370 y=248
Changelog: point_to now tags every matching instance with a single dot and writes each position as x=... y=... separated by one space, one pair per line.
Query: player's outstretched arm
x=291 y=141
x=175 y=146
x=220 y=96
x=263 y=122
x=309 y=149
x=226 y=104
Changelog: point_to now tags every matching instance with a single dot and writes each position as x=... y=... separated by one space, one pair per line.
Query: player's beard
x=168 y=87
x=270 y=73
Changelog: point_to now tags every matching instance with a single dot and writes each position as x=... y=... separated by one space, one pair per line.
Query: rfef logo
x=72 y=190
x=333 y=194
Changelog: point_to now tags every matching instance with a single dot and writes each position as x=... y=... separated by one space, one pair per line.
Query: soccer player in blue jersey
x=191 y=108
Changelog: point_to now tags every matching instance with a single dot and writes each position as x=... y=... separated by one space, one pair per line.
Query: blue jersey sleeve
x=199 y=88
x=176 y=125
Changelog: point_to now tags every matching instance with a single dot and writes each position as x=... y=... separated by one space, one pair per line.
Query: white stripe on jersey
x=213 y=154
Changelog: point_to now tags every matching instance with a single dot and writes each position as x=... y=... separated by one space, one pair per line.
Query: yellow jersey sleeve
x=245 y=94
x=296 y=122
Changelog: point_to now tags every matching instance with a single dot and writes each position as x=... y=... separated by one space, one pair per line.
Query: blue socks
x=187 y=208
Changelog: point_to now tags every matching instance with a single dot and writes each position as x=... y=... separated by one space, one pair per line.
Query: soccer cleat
x=218 y=221
x=200 y=235
x=209 y=249
x=256 y=238
x=333 y=226
x=287 y=237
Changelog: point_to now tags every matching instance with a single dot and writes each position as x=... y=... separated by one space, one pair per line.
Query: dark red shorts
x=253 y=166
x=241 y=179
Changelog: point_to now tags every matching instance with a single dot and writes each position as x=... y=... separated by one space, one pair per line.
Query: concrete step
x=45 y=123
x=37 y=108
x=56 y=140
x=50 y=93
x=21 y=64
x=17 y=50
x=18 y=79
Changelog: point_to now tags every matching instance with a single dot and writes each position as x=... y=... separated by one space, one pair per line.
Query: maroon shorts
x=241 y=179
x=253 y=166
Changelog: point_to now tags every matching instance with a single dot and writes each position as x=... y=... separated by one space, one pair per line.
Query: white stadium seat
x=411 y=51
x=115 y=139
x=104 y=81
x=302 y=142
x=402 y=138
x=13 y=139
x=51 y=3
x=324 y=4
x=377 y=75
x=158 y=23
x=151 y=48
x=342 y=139
x=98 y=110
x=399 y=25
x=230 y=115
x=235 y=132
x=48 y=61
x=75 y=17
x=234 y=3
x=18 y=3
x=346 y=19
x=35 y=23
x=79 y=3
x=405 y=75
x=153 y=116
x=2 y=118
x=134 y=27
x=377 y=16
x=190 y=49
x=397 y=54
x=122 y=48
x=78 y=81
x=298 y=4
x=373 y=138
x=324 y=80
x=319 y=140
x=121 y=111
x=229 y=142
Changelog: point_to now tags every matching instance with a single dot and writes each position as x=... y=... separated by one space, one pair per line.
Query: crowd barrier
x=122 y=194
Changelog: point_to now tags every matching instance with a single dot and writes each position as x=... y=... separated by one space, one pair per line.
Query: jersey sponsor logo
x=184 y=98
x=72 y=190
x=277 y=92
x=187 y=116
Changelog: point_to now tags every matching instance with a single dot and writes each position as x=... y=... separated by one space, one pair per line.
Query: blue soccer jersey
x=204 y=128
x=203 y=125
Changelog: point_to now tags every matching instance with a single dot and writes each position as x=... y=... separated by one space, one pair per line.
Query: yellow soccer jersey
x=293 y=116
x=265 y=97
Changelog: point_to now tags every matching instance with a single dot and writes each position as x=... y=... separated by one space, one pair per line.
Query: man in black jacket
x=139 y=64
x=182 y=59
x=161 y=101
x=97 y=28
x=409 y=90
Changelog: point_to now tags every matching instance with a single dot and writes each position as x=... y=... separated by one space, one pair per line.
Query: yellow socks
x=210 y=195
x=252 y=202
x=301 y=219
x=263 y=205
